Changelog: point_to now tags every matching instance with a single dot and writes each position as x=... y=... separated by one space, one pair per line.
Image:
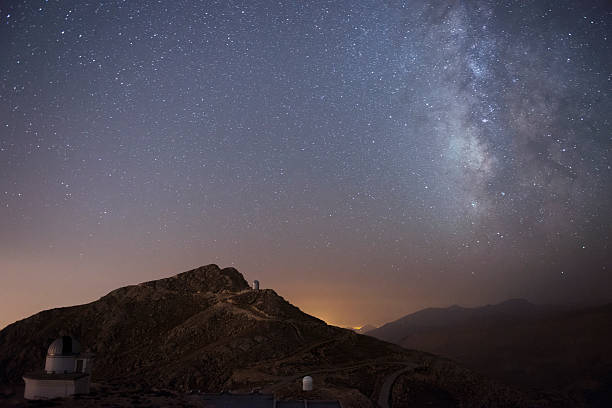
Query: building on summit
x=67 y=372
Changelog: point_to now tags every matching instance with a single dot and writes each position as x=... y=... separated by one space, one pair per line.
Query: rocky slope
x=205 y=329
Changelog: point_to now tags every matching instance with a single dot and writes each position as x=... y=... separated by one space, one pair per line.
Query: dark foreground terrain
x=553 y=349
x=160 y=342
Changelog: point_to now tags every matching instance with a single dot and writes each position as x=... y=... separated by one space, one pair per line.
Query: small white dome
x=64 y=346
x=307 y=383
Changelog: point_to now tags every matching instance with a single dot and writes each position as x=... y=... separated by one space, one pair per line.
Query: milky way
x=364 y=158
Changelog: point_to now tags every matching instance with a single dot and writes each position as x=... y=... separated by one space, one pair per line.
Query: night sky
x=365 y=159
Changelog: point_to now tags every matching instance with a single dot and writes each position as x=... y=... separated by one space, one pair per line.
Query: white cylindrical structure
x=60 y=364
x=307 y=383
x=256 y=284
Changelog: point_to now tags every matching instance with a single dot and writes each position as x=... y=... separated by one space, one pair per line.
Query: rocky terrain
x=555 y=350
x=206 y=330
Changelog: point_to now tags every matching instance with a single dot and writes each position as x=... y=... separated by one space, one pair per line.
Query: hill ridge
x=545 y=347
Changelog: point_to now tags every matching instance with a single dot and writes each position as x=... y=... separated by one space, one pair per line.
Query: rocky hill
x=549 y=348
x=205 y=329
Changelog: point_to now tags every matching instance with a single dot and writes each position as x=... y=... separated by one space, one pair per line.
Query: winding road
x=384 y=397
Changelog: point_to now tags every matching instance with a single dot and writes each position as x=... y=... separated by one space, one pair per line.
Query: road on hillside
x=384 y=397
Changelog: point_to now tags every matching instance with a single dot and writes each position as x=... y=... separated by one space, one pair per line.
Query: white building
x=67 y=372
x=307 y=383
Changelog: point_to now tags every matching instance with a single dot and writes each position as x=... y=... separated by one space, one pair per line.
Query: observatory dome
x=307 y=384
x=64 y=346
x=67 y=372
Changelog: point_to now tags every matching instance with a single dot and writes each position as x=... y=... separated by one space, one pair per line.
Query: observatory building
x=307 y=383
x=67 y=372
x=257 y=400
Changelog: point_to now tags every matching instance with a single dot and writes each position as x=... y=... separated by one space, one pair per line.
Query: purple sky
x=365 y=159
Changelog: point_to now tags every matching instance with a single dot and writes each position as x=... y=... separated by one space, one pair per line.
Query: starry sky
x=365 y=158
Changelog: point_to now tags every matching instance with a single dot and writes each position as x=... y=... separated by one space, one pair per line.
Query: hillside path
x=384 y=397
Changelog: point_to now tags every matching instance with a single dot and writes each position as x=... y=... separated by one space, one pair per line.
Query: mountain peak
x=208 y=278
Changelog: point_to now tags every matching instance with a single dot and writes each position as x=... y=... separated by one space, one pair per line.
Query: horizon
x=352 y=324
x=365 y=159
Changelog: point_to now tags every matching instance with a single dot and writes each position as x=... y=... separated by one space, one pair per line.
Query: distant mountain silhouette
x=551 y=348
x=457 y=315
x=205 y=329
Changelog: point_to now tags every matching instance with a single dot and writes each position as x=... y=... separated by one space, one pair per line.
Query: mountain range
x=552 y=349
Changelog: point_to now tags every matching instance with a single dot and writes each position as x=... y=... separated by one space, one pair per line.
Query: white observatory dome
x=64 y=346
x=61 y=356
x=67 y=372
x=307 y=383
